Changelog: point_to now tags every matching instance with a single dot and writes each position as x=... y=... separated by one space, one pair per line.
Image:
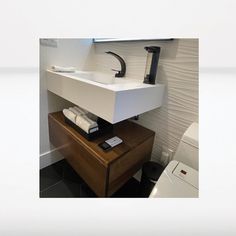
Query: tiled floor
x=61 y=181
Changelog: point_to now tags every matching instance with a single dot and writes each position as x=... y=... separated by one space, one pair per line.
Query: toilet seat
x=177 y=181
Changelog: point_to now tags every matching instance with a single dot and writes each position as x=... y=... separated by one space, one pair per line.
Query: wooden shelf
x=104 y=172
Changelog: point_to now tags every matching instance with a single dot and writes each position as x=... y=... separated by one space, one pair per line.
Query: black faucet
x=120 y=73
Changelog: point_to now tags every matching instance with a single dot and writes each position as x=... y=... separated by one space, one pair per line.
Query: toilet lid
x=177 y=181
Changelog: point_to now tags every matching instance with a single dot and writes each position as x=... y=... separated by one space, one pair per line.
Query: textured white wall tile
x=178 y=70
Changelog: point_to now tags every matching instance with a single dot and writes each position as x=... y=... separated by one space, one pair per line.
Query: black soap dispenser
x=151 y=64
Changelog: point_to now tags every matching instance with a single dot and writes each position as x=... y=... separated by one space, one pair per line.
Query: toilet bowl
x=180 y=177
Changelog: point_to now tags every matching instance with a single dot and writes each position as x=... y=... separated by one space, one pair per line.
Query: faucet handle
x=120 y=73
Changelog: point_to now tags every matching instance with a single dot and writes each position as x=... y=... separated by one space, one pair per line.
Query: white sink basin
x=96 y=77
x=113 y=99
x=106 y=79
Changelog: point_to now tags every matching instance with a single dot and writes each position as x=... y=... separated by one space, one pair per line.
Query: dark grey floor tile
x=130 y=190
x=51 y=175
x=70 y=174
x=63 y=189
x=61 y=181
x=85 y=191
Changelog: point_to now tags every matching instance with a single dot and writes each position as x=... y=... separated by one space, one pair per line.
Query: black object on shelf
x=151 y=172
x=151 y=64
x=103 y=128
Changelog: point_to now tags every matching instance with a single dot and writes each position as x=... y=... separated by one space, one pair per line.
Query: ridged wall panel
x=178 y=70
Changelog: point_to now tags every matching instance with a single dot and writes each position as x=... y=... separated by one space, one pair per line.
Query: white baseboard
x=50 y=157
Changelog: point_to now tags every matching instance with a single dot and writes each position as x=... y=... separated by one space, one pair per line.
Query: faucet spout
x=120 y=73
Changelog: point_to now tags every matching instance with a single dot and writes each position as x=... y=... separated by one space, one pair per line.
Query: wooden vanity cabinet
x=104 y=172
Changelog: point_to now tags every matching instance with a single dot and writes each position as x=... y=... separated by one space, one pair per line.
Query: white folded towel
x=69 y=114
x=78 y=116
x=85 y=123
x=78 y=113
x=80 y=110
x=83 y=111
x=63 y=69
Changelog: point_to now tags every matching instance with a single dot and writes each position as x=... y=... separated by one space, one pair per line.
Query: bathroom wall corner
x=49 y=158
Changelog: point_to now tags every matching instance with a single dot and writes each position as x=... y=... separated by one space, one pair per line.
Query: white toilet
x=180 y=177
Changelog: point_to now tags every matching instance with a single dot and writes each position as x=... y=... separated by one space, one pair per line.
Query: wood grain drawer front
x=104 y=172
x=82 y=161
x=128 y=164
x=93 y=173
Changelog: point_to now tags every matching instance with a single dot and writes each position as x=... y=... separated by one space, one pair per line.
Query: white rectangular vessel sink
x=113 y=99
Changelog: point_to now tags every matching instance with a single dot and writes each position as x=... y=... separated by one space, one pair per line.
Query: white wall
x=69 y=52
x=178 y=70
